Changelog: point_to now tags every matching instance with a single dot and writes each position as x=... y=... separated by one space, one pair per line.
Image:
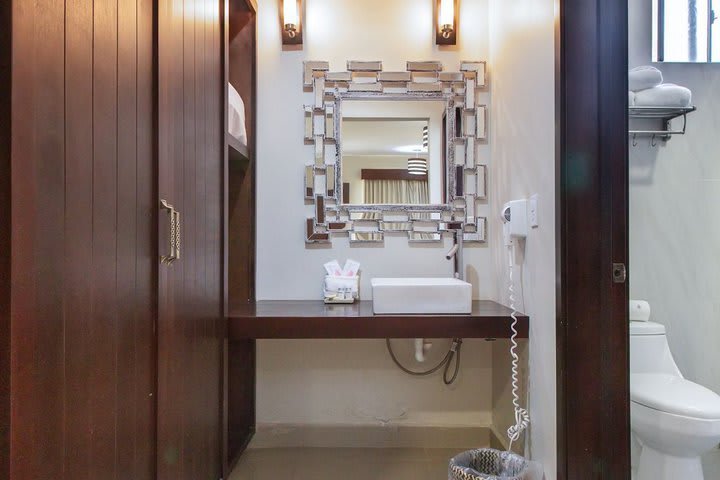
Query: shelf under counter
x=307 y=319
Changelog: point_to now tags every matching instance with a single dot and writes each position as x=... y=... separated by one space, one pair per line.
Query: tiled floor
x=344 y=464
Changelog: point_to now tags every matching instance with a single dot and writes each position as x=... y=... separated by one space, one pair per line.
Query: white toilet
x=674 y=421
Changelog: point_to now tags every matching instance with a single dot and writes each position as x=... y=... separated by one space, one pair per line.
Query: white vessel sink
x=421 y=296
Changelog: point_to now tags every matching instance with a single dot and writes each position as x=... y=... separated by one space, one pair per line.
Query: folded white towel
x=642 y=78
x=631 y=99
x=665 y=95
x=236 y=115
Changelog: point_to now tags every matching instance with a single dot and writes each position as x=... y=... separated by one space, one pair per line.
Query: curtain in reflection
x=413 y=192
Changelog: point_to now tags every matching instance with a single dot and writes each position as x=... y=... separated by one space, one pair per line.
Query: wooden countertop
x=304 y=319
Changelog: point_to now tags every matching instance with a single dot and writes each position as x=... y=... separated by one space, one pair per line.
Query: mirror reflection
x=393 y=152
x=686 y=31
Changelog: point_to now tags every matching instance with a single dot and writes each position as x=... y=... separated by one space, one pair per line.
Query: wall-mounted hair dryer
x=515 y=226
x=515 y=221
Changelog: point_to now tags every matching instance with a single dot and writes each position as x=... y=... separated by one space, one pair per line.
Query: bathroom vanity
x=313 y=319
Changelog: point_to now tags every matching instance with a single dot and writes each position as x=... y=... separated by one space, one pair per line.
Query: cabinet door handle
x=178 y=232
x=172 y=215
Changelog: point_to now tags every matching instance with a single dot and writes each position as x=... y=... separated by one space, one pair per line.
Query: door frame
x=593 y=391
x=5 y=230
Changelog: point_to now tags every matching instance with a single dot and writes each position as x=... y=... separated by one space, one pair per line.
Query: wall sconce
x=447 y=22
x=291 y=22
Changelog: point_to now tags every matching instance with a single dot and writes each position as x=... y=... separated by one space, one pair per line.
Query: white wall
x=353 y=382
x=329 y=382
x=337 y=31
x=518 y=40
x=522 y=138
x=674 y=231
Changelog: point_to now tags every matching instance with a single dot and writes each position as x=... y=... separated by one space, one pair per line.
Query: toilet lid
x=672 y=394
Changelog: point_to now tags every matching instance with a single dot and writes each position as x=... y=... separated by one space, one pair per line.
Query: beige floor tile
x=344 y=464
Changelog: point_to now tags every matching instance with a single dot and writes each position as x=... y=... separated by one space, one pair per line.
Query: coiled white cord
x=522 y=417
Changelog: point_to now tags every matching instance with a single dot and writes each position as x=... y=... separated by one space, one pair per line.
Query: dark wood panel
x=214 y=214
x=82 y=335
x=241 y=241
x=170 y=92
x=188 y=303
x=78 y=261
x=390 y=174
x=5 y=199
x=103 y=336
x=37 y=379
x=241 y=383
x=239 y=373
x=190 y=176
x=241 y=189
x=146 y=282
x=135 y=363
x=314 y=319
x=593 y=409
x=613 y=82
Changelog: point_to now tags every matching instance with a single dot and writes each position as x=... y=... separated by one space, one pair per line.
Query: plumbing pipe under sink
x=421 y=346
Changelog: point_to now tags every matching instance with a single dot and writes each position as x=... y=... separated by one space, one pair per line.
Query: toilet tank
x=649 y=350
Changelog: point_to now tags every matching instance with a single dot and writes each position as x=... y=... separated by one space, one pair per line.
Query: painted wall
x=337 y=31
x=522 y=140
x=352 y=381
x=518 y=41
x=674 y=233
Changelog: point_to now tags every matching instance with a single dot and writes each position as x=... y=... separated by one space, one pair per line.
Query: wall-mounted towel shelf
x=663 y=114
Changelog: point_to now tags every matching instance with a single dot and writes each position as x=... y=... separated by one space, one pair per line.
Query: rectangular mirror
x=393 y=152
x=686 y=31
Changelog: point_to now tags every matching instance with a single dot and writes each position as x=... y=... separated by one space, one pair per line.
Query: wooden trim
x=5 y=231
x=593 y=398
x=390 y=174
x=303 y=319
x=238 y=396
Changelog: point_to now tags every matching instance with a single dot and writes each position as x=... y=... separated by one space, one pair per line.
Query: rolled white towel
x=236 y=115
x=642 y=78
x=665 y=95
x=631 y=99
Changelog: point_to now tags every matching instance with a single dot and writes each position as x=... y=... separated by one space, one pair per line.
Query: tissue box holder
x=341 y=289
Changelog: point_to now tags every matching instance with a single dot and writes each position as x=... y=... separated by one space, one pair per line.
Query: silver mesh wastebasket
x=490 y=464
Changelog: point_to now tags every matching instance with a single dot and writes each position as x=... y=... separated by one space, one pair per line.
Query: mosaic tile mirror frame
x=466 y=174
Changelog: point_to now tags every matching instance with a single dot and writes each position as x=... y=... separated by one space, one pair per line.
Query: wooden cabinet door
x=190 y=289
x=81 y=341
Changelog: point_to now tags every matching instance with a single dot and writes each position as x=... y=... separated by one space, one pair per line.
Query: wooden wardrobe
x=111 y=360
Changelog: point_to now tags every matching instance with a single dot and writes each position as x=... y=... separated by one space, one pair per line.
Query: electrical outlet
x=533 y=211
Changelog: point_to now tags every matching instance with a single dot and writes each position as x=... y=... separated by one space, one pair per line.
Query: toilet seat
x=674 y=395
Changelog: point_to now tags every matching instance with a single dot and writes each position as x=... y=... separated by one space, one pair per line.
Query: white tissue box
x=341 y=289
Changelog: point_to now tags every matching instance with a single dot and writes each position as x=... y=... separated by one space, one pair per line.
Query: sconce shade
x=417 y=166
x=291 y=22
x=446 y=22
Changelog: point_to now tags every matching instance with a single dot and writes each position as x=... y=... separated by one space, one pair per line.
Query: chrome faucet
x=456 y=254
